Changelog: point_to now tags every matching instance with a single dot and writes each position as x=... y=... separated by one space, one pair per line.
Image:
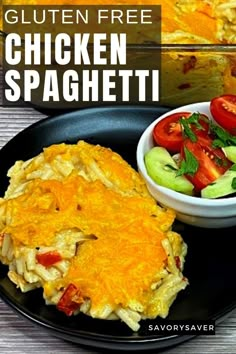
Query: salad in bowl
x=188 y=160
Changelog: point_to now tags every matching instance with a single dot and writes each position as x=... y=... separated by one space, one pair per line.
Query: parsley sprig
x=223 y=138
x=187 y=128
x=194 y=119
x=189 y=165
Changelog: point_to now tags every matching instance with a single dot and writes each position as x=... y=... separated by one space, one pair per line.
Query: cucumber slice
x=162 y=169
x=221 y=187
x=230 y=153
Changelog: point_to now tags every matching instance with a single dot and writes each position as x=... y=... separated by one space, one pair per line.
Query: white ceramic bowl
x=208 y=213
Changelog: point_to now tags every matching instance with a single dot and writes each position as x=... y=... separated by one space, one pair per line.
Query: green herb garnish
x=187 y=130
x=233 y=167
x=219 y=161
x=217 y=143
x=223 y=138
x=233 y=184
x=186 y=126
x=194 y=119
x=171 y=167
x=189 y=165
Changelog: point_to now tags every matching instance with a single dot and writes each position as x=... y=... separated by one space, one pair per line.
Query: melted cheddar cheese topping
x=47 y=207
x=88 y=197
x=125 y=256
x=116 y=270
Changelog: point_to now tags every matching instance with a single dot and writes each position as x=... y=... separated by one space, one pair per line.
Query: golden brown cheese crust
x=125 y=255
x=115 y=251
x=47 y=207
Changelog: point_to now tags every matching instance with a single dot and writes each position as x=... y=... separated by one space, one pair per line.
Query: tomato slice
x=47 y=259
x=212 y=162
x=71 y=300
x=223 y=110
x=168 y=133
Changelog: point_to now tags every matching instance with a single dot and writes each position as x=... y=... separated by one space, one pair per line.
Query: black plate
x=210 y=263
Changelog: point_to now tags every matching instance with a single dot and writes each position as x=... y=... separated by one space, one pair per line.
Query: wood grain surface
x=17 y=335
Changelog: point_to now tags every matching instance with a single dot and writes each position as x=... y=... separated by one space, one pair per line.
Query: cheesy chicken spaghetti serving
x=78 y=221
